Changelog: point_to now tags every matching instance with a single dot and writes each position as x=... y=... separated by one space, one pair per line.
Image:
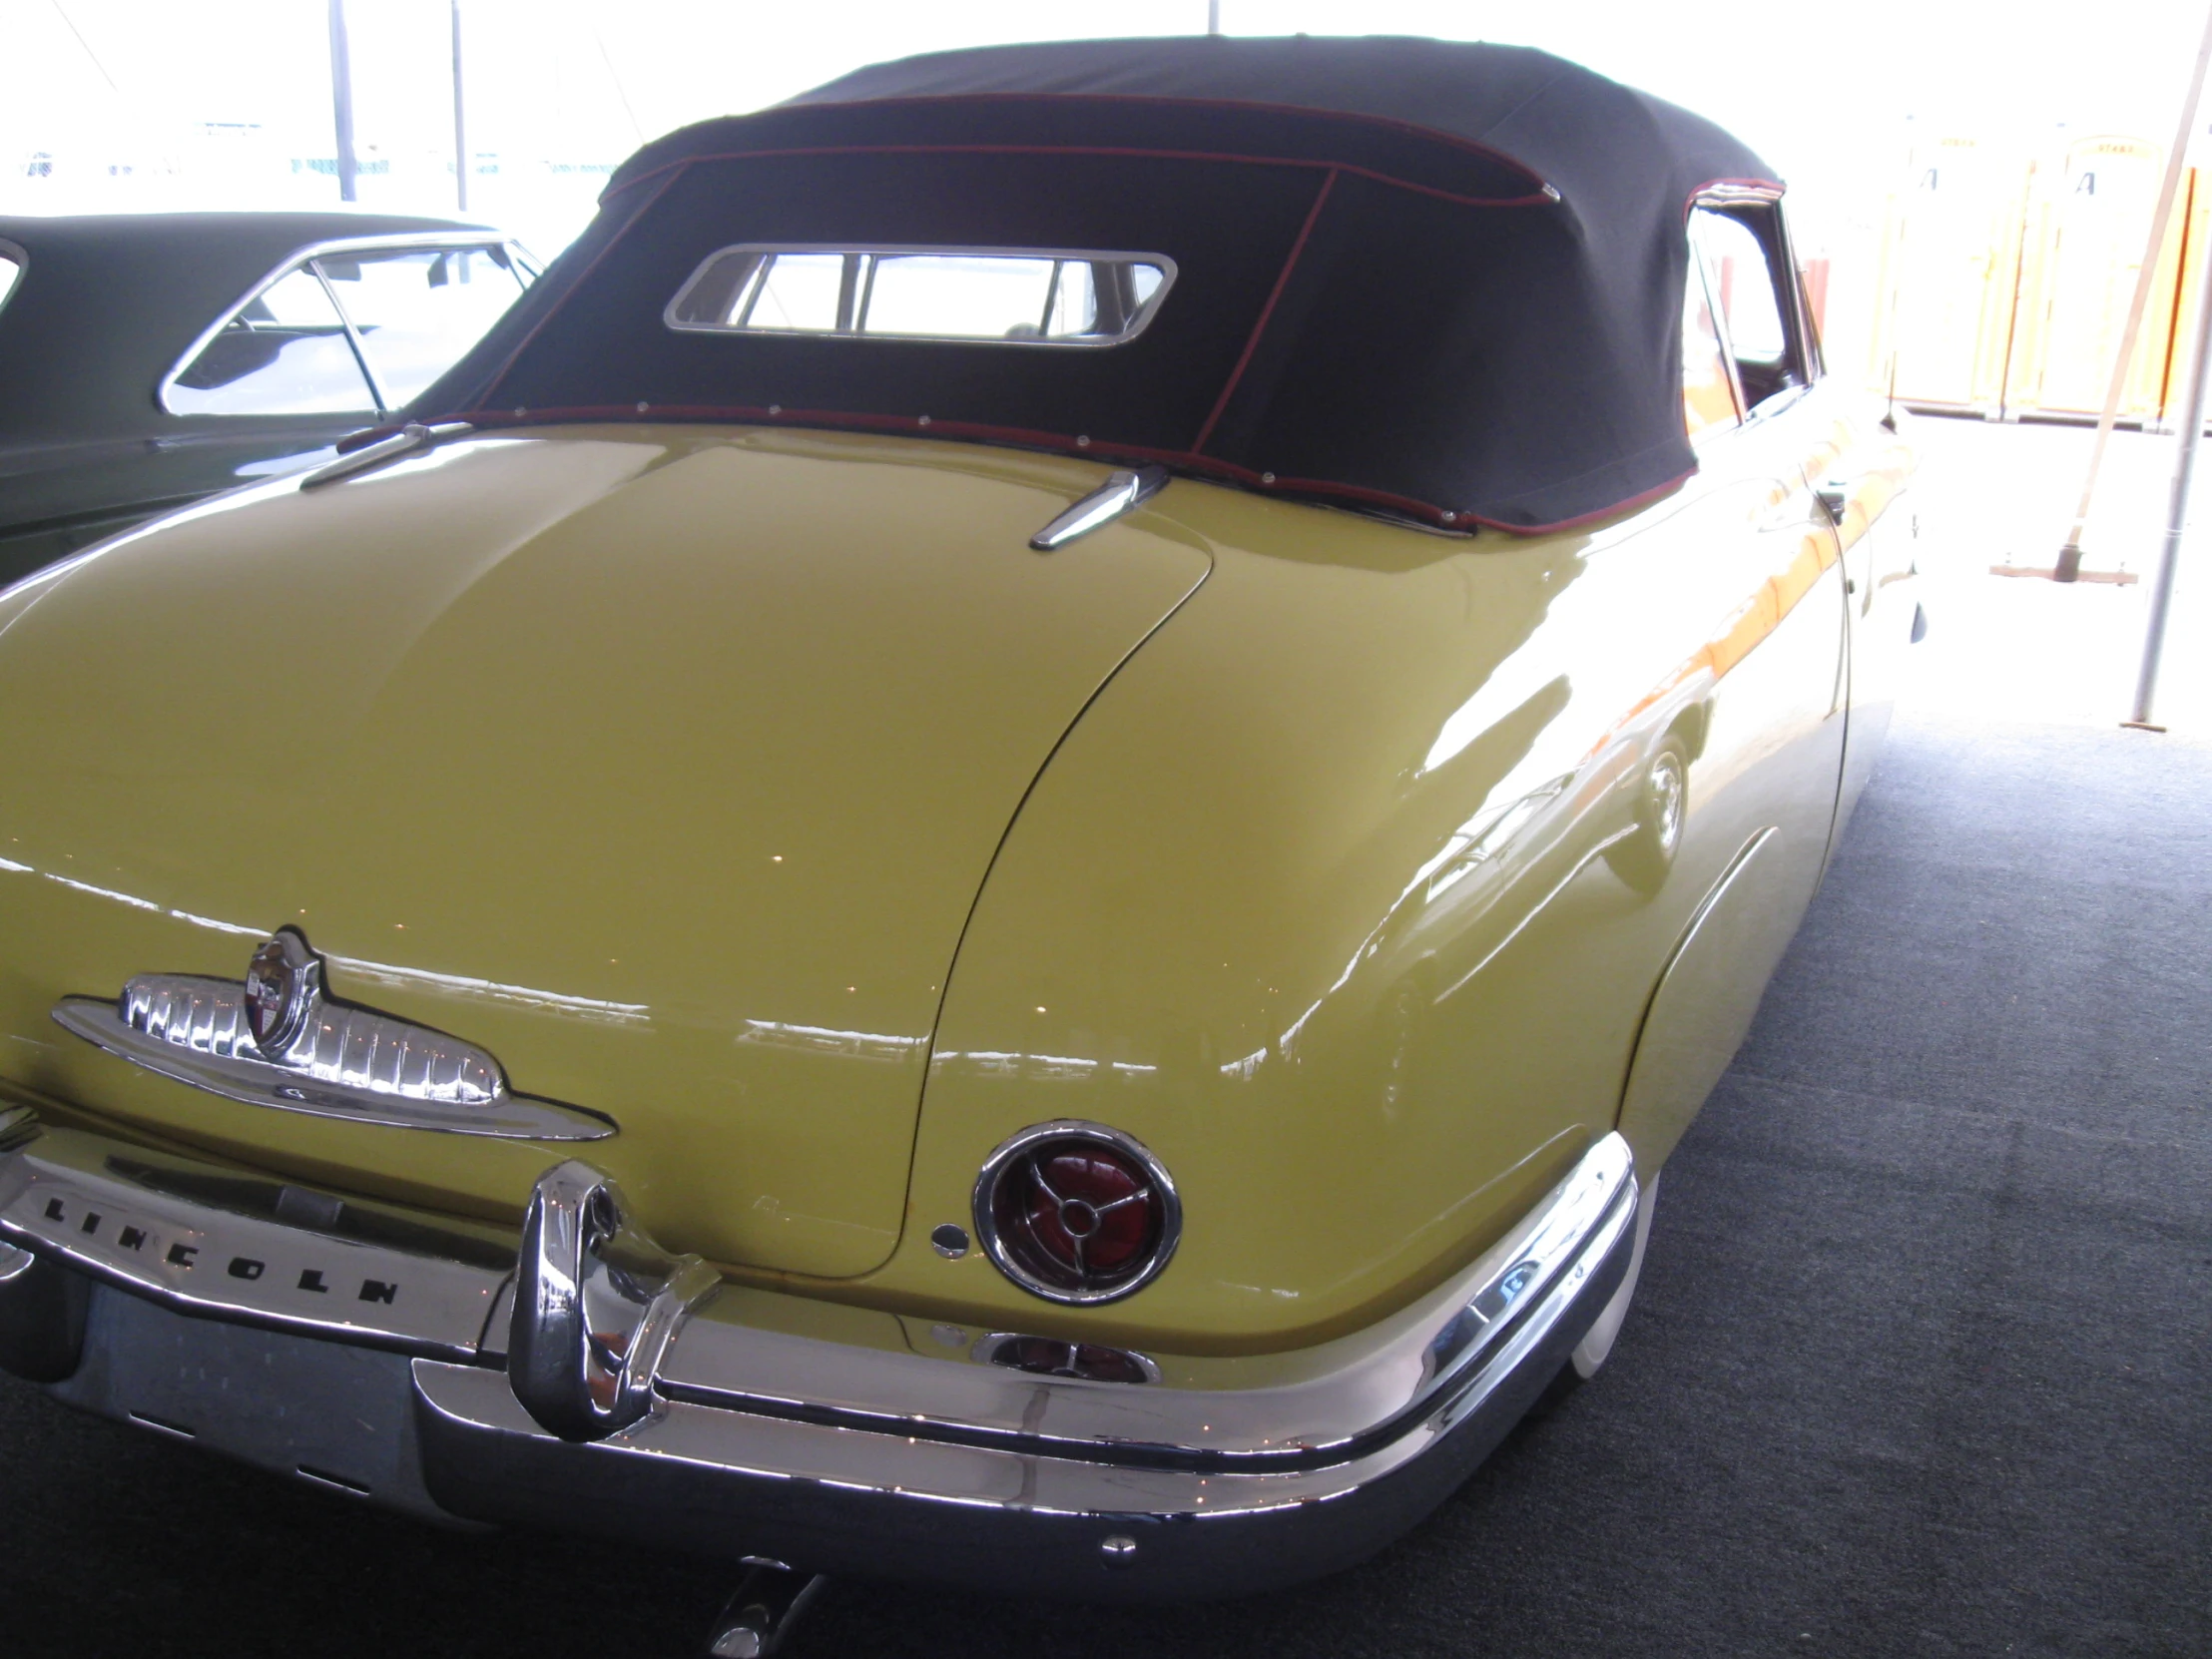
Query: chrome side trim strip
x=1120 y=492
x=188 y=1235
x=341 y=1062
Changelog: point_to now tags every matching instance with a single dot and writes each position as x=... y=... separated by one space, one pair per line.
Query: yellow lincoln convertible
x=1003 y=853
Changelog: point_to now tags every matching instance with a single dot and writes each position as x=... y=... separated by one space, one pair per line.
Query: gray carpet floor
x=1919 y=1365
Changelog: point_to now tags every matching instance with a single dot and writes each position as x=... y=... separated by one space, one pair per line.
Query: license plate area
x=338 y=1416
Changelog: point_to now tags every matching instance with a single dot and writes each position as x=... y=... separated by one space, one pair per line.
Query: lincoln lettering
x=178 y=1255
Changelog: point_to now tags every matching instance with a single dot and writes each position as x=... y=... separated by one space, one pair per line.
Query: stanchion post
x=341 y=100
x=2190 y=440
x=2069 y=568
x=460 y=120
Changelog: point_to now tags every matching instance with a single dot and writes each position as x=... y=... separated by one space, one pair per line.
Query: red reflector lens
x=1078 y=1217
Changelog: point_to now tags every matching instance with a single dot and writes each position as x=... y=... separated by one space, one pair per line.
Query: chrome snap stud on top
x=1120 y=1550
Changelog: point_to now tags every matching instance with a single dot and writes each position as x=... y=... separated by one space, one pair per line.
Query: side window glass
x=1741 y=278
x=11 y=271
x=286 y=353
x=1708 y=390
x=418 y=310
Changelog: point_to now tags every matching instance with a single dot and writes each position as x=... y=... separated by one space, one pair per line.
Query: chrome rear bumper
x=374 y=1350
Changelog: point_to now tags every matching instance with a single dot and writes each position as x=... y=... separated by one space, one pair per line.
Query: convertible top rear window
x=1020 y=296
x=1439 y=279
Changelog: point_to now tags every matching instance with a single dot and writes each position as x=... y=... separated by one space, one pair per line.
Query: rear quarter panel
x=1314 y=901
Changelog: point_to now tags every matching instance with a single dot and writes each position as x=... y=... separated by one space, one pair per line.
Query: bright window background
x=123 y=104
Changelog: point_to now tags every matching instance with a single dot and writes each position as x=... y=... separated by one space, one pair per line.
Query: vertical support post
x=2070 y=555
x=460 y=118
x=341 y=101
x=1213 y=17
x=2191 y=439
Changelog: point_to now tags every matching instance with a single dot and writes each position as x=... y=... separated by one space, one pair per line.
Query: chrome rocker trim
x=610 y=1395
x=332 y=1060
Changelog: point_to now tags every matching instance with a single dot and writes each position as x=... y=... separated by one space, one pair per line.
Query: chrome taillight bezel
x=1016 y=1153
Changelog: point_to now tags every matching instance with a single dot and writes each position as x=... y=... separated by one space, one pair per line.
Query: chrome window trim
x=304 y=258
x=1799 y=340
x=1702 y=275
x=14 y=254
x=1137 y=325
x=1002 y=1159
x=352 y=337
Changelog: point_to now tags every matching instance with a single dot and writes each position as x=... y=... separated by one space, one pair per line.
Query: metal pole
x=461 y=120
x=2070 y=555
x=1213 y=17
x=341 y=99
x=2177 y=511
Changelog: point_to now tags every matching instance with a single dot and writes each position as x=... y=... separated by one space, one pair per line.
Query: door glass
x=284 y=353
x=1708 y=397
x=1737 y=268
x=419 y=309
x=10 y=269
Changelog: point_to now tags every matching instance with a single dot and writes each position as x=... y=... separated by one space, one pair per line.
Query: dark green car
x=150 y=359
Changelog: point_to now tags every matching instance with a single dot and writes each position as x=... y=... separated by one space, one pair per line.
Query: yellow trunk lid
x=664 y=763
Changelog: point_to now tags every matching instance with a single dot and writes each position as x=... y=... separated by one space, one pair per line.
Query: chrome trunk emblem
x=284 y=982
x=278 y=1039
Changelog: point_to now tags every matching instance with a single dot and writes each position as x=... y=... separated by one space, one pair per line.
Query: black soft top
x=1440 y=279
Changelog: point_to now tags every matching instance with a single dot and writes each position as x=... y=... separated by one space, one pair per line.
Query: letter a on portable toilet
x=1950 y=260
x=2089 y=219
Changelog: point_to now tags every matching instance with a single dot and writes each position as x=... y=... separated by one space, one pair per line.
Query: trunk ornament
x=277 y=1039
x=1120 y=492
x=597 y=1303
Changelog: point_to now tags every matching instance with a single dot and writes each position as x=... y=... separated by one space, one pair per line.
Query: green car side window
x=416 y=309
x=284 y=353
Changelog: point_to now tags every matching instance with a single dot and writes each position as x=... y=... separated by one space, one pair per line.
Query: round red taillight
x=1076 y=1211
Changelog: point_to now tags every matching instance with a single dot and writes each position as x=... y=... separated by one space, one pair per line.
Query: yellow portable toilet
x=2088 y=224
x=1950 y=269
